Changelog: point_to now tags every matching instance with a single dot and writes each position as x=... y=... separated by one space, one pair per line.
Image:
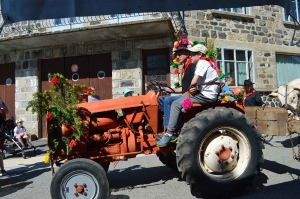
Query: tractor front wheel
x=82 y=178
x=219 y=152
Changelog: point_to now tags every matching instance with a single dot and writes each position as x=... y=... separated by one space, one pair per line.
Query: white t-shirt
x=19 y=130
x=207 y=74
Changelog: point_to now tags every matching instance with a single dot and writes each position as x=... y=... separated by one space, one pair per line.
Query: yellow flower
x=176 y=61
x=47 y=158
x=175 y=43
x=226 y=98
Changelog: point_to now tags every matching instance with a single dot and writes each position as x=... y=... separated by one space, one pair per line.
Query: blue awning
x=22 y=10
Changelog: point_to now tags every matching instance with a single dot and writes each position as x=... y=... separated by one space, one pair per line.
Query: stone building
x=116 y=52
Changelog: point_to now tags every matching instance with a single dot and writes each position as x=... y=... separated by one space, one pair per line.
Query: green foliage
x=59 y=105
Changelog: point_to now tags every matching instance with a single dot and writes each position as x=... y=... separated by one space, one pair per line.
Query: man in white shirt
x=199 y=90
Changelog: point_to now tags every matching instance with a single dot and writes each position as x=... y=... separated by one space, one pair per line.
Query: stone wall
x=264 y=31
x=126 y=67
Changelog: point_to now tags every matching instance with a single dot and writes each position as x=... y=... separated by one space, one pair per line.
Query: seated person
x=186 y=77
x=228 y=82
x=92 y=95
x=204 y=73
x=20 y=132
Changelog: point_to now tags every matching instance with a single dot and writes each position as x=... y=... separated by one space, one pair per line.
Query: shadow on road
x=287 y=143
x=121 y=179
x=19 y=178
x=259 y=189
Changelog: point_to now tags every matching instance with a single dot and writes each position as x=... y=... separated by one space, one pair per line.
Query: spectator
x=2 y=139
x=20 y=132
x=92 y=95
x=128 y=93
x=3 y=109
x=229 y=81
x=252 y=97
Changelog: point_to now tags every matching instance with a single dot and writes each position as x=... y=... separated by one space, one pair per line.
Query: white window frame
x=246 y=10
x=222 y=67
x=288 y=18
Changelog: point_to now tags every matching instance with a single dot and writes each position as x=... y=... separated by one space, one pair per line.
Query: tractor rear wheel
x=219 y=152
x=81 y=178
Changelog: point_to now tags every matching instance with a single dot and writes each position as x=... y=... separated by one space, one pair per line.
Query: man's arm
x=258 y=99
x=193 y=88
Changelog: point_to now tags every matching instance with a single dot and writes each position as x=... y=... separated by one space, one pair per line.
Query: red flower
x=185 y=41
x=176 y=71
x=88 y=90
x=173 y=56
x=49 y=116
x=54 y=80
x=218 y=71
x=73 y=143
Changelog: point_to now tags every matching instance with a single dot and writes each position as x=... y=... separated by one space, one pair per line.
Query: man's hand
x=193 y=90
x=167 y=90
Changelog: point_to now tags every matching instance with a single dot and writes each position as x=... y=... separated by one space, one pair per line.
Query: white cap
x=198 y=48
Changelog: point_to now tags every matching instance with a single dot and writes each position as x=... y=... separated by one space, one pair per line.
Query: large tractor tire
x=80 y=178
x=169 y=161
x=219 y=152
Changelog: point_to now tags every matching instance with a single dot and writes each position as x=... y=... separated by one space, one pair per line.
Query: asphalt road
x=145 y=177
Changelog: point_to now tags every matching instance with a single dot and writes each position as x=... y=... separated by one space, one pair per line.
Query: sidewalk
x=12 y=162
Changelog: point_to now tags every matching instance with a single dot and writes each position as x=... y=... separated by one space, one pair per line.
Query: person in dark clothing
x=252 y=97
x=187 y=75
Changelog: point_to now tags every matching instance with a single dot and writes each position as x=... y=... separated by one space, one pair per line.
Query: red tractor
x=219 y=149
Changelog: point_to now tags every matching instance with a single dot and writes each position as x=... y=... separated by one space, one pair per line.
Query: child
x=20 y=132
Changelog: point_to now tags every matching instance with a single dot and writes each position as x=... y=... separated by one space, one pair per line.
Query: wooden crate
x=269 y=120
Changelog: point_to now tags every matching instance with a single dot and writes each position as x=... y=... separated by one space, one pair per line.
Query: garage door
x=7 y=88
x=91 y=70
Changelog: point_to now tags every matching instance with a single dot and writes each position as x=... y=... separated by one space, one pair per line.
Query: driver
x=204 y=73
x=186 y=78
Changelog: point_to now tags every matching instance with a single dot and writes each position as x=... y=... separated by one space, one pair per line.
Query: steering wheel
x=161 y=86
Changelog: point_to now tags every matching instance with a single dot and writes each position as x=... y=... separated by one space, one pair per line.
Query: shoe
x=3 y=173
x=166 y=138
x=23 y=147
x=173 y=140
x=29 y=145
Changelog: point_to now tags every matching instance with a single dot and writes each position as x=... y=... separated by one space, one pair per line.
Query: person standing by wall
x=3 y=111
x=128 y=93
x=252 y=97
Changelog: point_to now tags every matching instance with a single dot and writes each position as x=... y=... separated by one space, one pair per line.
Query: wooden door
x=87 y=74
x=156 y=67
x=81 y=76
x=7 y=88
x=100 y=72
x=49 y=66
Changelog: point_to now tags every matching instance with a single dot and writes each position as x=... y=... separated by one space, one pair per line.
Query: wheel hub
x=221 y=154
x=81 y=184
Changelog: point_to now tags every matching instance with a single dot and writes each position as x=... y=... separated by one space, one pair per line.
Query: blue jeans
x=165 y=106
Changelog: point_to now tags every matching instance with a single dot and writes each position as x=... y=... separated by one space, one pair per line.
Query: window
x=237 y=64
x=295 y=10
x=242 y=10
x=288 y=68
x=156 y=66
